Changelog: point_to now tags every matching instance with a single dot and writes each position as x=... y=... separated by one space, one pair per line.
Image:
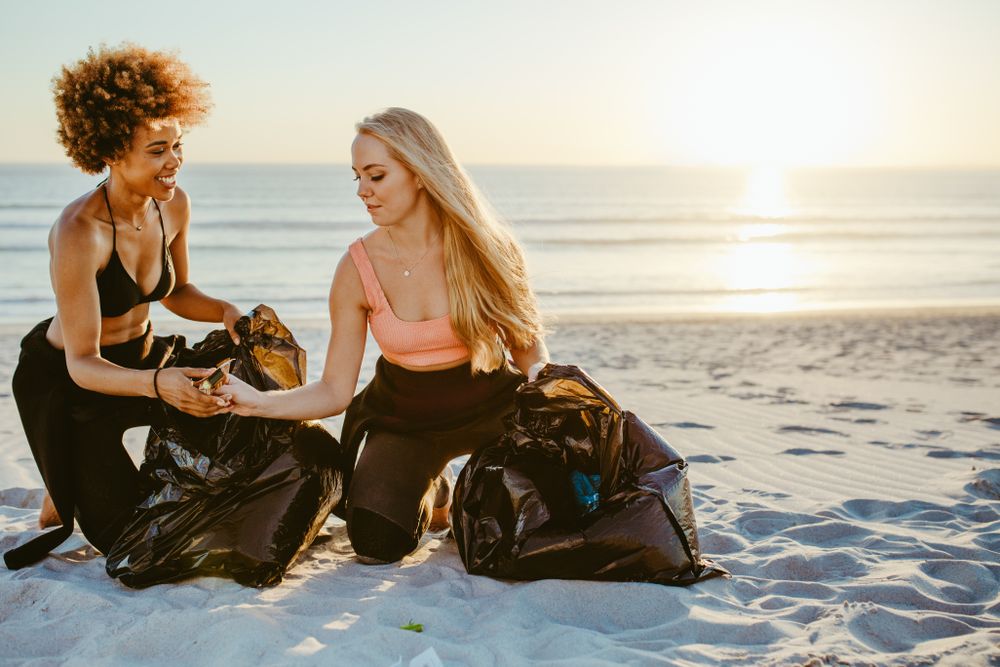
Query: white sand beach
x=845 y=469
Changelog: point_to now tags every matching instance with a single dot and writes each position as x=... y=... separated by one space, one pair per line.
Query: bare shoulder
x=177 y=211
x=179 y=203
x=376 y=243
x=347 y=288
x=80 y=225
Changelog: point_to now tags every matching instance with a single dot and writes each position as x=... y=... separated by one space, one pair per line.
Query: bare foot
x=442 y=502
x=48 y=517
x=439 y=519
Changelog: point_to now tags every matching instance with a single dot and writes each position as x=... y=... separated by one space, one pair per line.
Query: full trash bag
x=577 y=488
x=232 y=496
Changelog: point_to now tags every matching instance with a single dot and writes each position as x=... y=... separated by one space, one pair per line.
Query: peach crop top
x=424 y=343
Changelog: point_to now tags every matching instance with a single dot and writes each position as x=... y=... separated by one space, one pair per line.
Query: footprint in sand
x=814 y=565
x=986 y=485
x=863 y=420
x=898 y=631
x=987 y=454
x=684 y=425
x=758 y=523
x=895 y=445
x=962 y=581
x=990 y=422
x=894 y=511
x=810 y=430
x=709 y=458
x=858 y=405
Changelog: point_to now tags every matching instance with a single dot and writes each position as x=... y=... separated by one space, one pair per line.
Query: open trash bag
x=234 y=496
x=577 y=488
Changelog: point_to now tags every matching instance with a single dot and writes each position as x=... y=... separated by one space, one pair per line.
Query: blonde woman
x=442 y=286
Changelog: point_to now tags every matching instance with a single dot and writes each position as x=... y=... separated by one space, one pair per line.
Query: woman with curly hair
x=443 y=288
x=87 y=374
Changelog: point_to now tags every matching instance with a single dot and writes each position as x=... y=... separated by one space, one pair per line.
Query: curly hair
x=104 y=98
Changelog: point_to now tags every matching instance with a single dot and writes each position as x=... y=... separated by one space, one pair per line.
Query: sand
x=845 y=469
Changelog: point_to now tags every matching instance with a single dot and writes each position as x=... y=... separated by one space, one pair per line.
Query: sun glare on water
x=763 y=272
x=765 y=196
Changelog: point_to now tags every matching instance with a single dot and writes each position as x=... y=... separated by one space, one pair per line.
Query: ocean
x=600 y=242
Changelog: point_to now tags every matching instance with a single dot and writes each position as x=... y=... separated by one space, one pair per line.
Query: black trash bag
x=577 y=488
x=232 y=496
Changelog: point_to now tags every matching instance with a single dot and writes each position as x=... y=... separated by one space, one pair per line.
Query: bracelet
x=156 y=389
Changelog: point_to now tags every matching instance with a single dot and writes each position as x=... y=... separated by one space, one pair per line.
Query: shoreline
x=581 y=317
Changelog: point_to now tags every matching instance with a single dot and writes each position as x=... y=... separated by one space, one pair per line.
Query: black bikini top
x=119 y=292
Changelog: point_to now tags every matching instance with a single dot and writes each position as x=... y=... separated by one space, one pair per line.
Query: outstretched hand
x=176 y=388
x=243 y=399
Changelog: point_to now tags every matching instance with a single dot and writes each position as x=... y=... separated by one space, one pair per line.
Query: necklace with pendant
x=408 y=270
x=136 y=227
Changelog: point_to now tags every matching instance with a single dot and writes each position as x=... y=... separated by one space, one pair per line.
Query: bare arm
x=332 y=393
x=185 y=299
x=75 y=252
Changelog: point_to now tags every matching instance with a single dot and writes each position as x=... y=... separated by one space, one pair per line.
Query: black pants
x=413 y=424
x=394 y=486
x=75 y=436
x=106 y=484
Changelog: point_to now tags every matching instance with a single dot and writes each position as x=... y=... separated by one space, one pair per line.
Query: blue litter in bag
x=585 y=490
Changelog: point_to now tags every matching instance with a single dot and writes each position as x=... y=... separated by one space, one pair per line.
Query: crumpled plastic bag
x=233 y=496
x=577 y=488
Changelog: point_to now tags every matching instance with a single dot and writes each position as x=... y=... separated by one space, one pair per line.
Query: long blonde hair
x=492 y=305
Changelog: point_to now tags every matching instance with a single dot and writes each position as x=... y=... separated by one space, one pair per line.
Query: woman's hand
x=534 y=369
x=175 y=386
x=230 y=314
x=243 y=399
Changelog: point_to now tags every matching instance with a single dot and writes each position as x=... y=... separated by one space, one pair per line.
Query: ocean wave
x=641 y=292
x=718 y=218
x=764 y=238
x=32 y=206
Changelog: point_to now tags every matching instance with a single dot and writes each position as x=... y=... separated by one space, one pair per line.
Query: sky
x=872 y=83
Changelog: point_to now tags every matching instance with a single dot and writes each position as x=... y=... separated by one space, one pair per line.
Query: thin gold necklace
x=408 y=271
x=134 y=226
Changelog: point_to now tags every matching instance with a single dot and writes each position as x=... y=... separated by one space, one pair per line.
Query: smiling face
x=390 y=191
x=150 y=166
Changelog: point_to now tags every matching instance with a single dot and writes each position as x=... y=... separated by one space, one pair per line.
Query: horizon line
x=589 y=165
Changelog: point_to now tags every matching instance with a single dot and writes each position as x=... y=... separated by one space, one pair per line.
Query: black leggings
x=413 y=423
x=393 y=489
x=106 y=484
x=75 y=436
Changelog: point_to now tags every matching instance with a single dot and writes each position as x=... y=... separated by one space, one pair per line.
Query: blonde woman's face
x=388 y=189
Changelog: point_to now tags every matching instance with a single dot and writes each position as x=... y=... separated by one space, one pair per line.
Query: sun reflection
x=760 y=266
x=759 y=230
x=765 y=302
x=765 y=195
x=763 y=275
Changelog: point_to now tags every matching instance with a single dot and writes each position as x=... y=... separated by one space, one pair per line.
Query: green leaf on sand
x=413 y=627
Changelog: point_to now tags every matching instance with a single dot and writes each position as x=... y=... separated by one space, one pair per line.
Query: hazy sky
x=801 y=82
